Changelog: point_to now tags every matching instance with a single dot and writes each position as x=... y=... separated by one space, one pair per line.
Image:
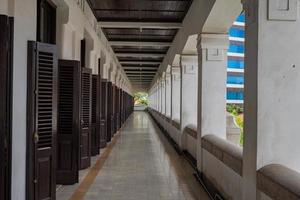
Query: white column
x=212 y=55
x=189 y=84
x=159 y=96
x=168 y=94
x=163 y=95
x=272 y=88
x=176 y=98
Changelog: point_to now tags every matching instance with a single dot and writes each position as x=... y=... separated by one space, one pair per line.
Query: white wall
x=25 y=29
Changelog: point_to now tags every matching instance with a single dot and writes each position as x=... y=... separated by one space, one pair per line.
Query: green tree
x=141 y=98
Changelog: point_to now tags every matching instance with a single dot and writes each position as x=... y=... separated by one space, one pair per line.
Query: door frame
x=5 y=189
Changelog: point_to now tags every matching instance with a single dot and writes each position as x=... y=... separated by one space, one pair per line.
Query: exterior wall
x=25 y=29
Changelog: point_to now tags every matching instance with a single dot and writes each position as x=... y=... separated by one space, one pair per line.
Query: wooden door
x=103 y=124
x=41 y=121
x=109 y=111
x=6 y=55
x=113 y=115
x=121 y=107
x=116 y=108
x=68 y=140
x=86 y=103
x=95 y=127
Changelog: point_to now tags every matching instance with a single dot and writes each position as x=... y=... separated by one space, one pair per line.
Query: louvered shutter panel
x=42 y=120
x=95 y=130
x=117 y=108
x=121 y=106
x=114 y=122
x=109 y=111
x=6 y=44
x=98 y=108
x=68 y=141
x=103 y=125
x=86 y=103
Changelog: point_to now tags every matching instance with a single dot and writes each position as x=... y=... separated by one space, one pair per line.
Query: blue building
x=235 y=67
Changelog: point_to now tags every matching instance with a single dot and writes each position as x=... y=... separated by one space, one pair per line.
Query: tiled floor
x=142 y=166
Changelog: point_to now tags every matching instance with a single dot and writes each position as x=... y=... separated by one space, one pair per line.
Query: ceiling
x=140 y=32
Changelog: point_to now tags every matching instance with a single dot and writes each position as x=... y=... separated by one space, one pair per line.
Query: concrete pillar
x=189 y=76
x=176 y=98
x=168 y=94
x=189 y=83
x=212 y=56
x=158 y=96
x=272 y=88
x=163 y=95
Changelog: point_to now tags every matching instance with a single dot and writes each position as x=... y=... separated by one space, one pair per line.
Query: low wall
x=171 y=127
x=190 y=135
x=222 y=166
x=278 y=182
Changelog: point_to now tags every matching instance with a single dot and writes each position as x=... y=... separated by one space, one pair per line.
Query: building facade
x=235 y=70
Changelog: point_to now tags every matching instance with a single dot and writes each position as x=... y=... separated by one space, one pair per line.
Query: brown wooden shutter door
x=41 y=121
x=95 y=129
x=68 y=140
x=103 y=137
x=117 y=119
x=114 y=123
x=109 y=111
x=86 y=103
x=6 y=52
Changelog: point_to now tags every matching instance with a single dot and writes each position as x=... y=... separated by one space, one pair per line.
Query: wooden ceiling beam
x=140 y=25
x=142 y=44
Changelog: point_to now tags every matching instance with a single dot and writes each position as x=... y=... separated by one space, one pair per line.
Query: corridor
x=142 y=165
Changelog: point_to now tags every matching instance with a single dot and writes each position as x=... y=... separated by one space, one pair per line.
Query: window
x=46 y=22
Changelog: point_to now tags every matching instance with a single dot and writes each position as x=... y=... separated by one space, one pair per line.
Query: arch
x=222 y=16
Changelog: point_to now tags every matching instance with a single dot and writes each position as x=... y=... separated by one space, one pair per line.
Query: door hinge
x=36 y=137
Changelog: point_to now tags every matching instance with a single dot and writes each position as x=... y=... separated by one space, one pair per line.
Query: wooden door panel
x=44 y=173
x=103 y=125
x=41 y=120
x=94 y=141
x=85 y=149
x=68 y=140
x=6 y=55
x=113 y=115
x=95 y=129
x=109 y=111
x=86 y=118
